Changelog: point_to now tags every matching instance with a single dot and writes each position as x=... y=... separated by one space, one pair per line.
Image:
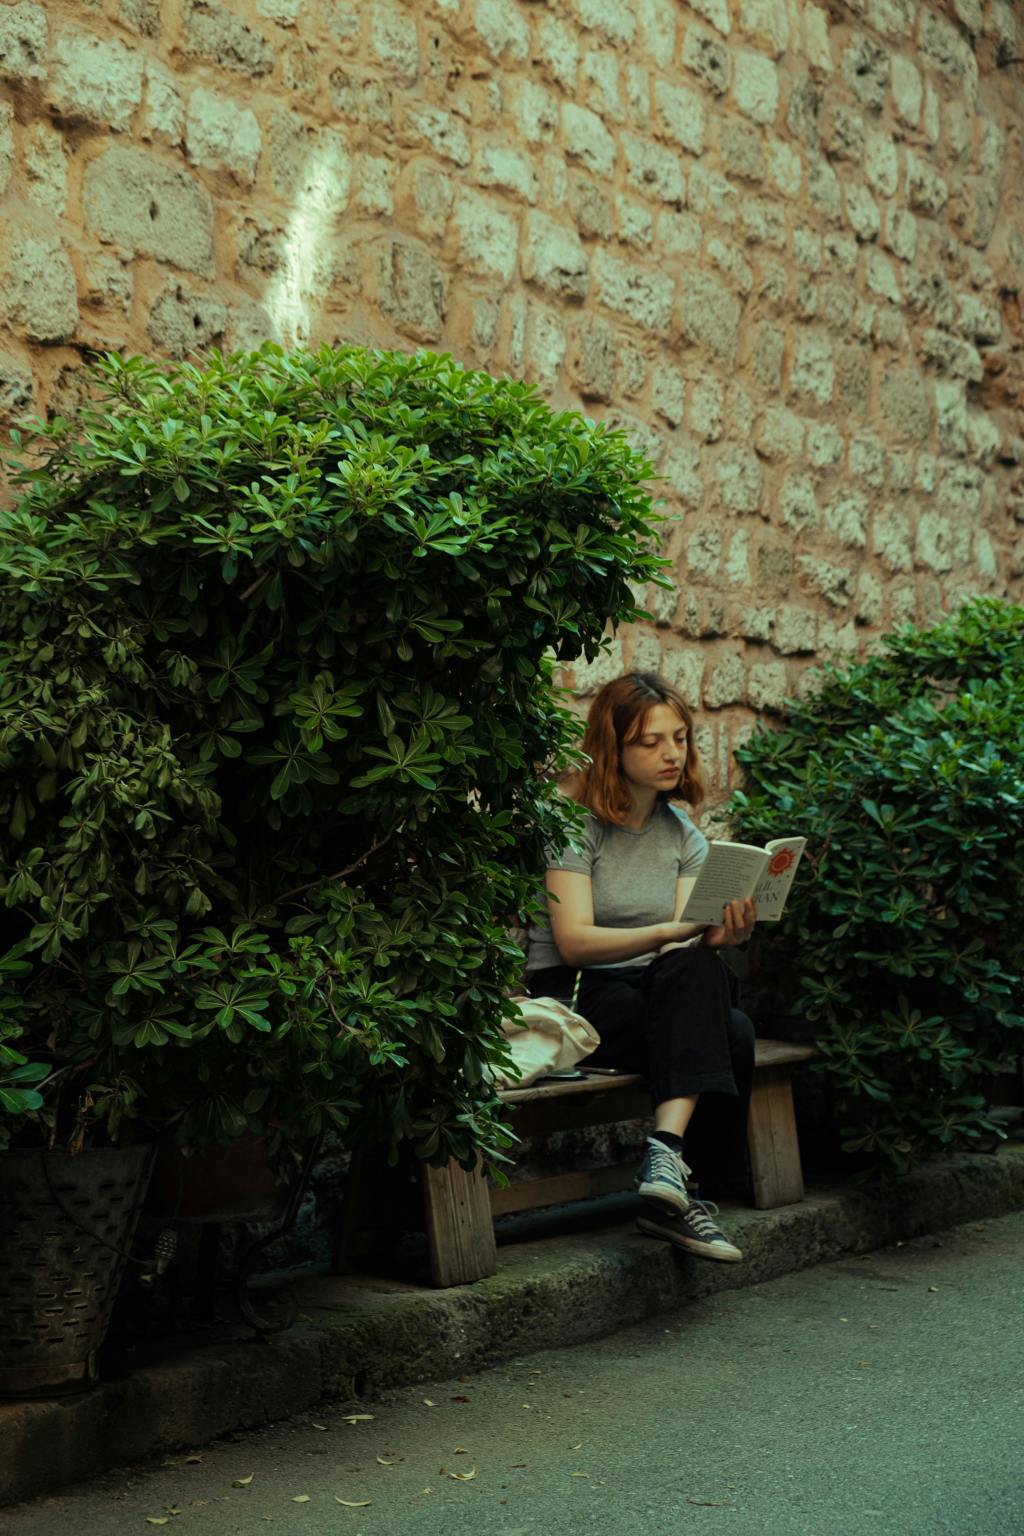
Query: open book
x=733 y=871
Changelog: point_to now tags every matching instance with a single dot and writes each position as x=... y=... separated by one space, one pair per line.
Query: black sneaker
x=691 y=1229
x=662 y=1176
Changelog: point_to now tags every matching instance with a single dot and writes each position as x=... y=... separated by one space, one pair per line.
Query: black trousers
x=675 y=1021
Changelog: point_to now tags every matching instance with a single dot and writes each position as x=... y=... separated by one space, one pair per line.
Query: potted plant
x=277 y=638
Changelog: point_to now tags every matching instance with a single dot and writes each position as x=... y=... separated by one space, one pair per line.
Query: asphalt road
x=880 y=1395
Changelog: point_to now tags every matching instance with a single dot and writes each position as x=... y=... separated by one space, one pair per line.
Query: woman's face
x=656 y=758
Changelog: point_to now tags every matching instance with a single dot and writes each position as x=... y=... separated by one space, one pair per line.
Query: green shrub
x=903 y=941
x=275 y=691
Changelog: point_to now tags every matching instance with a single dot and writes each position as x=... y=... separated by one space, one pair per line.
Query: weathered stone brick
x=763 y=222
x=862 y=212
x=824 y=444
x=842 y=134
x=741 y=149
x=554 y=258
x=658 y=31
x=95 y=79
x=833 y=582
x=654 y=170
x=767 y=686
x=38 y=292
x=221 y=136
x=737 y=561
x=615 y=20
x=705 y=57
x=817 y=45
x=682 y=472
x=209 y=31
x=186 y=321
x=668 y=392
x=796 y=630
x=684 y=669
x=679 y=115
x=866 y=71
x=412 y=290
x=755 y=86
x=952 y=354
x=767 y=24
x=546 y=346
x=591 y=207
x=766 y=350
x=502 y=28
x=907 y=90
x=601 y=85
x=823 y=187
x=6 y=144
x=726 y=682
x=785 y=168
x=713 y=194
x=46 y=168
x=893 y=18
x=679 y=234
x=633 y=370
x=707 y=400
x=500 y=166
x=17 y=386
x=904 y=404
x=587 y=139
x=636 y=224
x=926 y=190
x=443 y=132
x=608 y=664
x=704 y=553
x=798 y=503
x=951 y=409
x=643 y=296
x=838 y=301
x=23 y=42
x=740 y=479
x=488 y=237
x=812 y=373
x=558 y=47
x=882 y=278
x=163 y=115
x=779 y=434
x=933 y=547
x=709 y=315
x=893 y=539
x=149 y=208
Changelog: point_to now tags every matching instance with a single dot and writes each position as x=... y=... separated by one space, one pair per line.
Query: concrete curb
x=361 y=1335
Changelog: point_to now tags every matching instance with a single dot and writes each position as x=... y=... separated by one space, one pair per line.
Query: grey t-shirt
x=633 y=873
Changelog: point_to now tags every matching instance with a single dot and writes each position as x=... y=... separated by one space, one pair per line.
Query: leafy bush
x=906 y=948
x=276 y=641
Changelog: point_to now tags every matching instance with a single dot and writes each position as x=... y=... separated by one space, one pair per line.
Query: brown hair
x=616 y=718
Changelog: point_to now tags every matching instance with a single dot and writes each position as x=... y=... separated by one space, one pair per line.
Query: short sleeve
x=579 y=856
x=693 y=847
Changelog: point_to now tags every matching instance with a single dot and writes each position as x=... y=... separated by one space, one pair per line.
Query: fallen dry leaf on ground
x=243 y=1482
x=316 y=1426
x=463 y=1477
x=460 y=1450
x=300 y=1498
x=357 y=1418
x=428 y=1402
x=190 y=1461
x=157 y=1520
x=386 y=1462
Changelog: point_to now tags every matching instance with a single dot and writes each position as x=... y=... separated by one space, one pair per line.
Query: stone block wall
x=780 y=243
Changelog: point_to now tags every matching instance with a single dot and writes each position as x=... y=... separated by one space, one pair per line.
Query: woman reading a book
x=654 y=988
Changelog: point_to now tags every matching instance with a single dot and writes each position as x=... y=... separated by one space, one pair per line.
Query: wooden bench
x=460 y=1207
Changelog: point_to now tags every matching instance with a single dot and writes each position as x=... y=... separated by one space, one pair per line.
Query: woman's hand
x=737 y=926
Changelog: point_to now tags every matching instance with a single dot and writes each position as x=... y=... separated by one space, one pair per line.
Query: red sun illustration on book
x=781 y=861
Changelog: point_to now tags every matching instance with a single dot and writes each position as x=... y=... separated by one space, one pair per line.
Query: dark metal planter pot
x=66 y=1222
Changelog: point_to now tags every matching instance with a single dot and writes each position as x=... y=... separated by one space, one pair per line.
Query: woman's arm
x=581 y=943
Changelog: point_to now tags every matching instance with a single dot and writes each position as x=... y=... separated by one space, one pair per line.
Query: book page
x=729 y=873
x=773 y=886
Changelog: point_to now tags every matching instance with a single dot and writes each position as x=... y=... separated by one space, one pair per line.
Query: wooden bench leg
x=772 y=1142
x=460 y=1229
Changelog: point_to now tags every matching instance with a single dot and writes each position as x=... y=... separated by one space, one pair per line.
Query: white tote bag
x=546 y=1037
